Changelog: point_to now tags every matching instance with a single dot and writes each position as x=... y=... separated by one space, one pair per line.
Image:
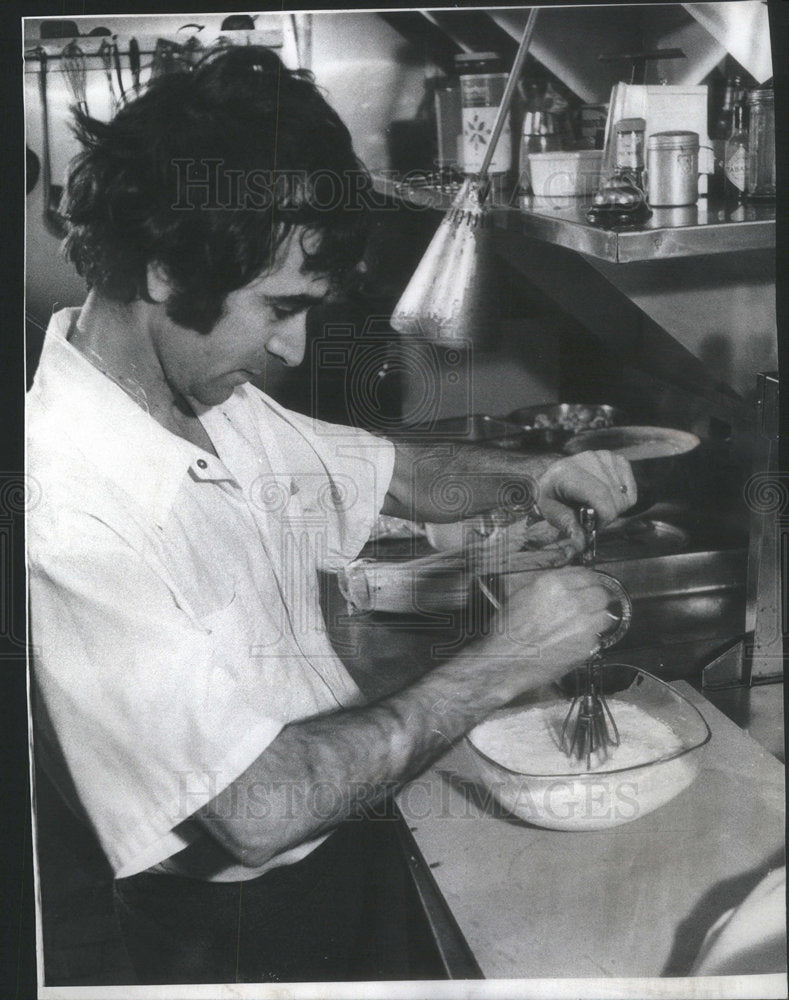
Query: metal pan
x=477 y=428
x=548 y=426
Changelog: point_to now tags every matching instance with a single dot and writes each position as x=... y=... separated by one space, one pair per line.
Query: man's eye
x=281 y=312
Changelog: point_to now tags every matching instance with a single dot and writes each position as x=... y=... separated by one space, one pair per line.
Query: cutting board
x=632 y=901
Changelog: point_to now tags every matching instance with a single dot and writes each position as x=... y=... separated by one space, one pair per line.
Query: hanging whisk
x=589 y=729
x=73 y=62
x=105 y=52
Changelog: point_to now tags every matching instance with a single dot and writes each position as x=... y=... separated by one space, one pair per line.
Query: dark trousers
x=339 y=914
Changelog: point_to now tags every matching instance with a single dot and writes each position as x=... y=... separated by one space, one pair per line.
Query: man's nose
x=290 y=340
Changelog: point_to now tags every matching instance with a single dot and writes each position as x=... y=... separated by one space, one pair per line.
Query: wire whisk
x=73 y=62
x=589 y=728
x=105 y=52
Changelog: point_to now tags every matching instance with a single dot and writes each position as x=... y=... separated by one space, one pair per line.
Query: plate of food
x=634 y=443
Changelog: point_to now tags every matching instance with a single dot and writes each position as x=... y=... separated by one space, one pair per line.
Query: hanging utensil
x=53 y=220
x=105 y=52
x=192 y=49
x=165 y=58
x=134 y=64
x=238 y=22
x=73 y=63
x=452 y=294
x=192 y=52
x=116 y=58
x=32 y=170
x=302 y=33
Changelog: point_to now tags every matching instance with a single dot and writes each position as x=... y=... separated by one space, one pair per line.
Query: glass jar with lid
x=761 y=144
x=482 y=83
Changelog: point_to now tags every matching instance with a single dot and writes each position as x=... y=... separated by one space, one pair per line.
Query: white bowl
x=560 y=794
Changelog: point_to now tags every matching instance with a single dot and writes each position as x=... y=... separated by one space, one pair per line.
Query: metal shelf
x=705 y=228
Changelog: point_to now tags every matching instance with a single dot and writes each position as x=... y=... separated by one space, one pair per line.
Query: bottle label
x=735 y=168
x=477 y=130
x=483 y=90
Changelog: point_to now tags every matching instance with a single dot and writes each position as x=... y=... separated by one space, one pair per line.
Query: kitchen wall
x=368 y=74
x=373 y=77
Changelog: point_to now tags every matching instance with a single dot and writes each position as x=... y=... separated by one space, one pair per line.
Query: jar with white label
x=482 y=84
x=673 y=168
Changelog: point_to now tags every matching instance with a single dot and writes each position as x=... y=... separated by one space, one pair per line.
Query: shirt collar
x=143 y=458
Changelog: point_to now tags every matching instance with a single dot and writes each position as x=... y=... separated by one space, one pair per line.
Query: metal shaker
x=673 y=168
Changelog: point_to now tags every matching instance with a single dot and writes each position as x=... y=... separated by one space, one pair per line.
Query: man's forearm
x=317 y=772
x=436 y=484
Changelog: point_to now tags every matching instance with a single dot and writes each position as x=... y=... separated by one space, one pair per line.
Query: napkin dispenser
x=664 y=109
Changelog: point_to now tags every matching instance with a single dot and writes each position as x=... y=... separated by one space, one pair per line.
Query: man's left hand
x=598 y=479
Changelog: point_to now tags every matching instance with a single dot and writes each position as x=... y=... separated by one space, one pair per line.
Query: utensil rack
x=91 y=44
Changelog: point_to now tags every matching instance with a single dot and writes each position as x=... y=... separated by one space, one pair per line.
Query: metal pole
x=509 y=90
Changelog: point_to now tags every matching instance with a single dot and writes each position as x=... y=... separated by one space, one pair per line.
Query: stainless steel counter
x=504 y=899
x=632 y=901
x=705 y=228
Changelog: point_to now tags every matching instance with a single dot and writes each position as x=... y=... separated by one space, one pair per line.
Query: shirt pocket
x=229 y=637
x=229 y=615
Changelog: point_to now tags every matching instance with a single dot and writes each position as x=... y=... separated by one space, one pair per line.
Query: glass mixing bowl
x=519 y=759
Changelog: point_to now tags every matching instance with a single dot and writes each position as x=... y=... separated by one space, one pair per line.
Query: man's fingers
x=582 y=484
x=593 y=600
x=576 y=578
x=628 y=494
x=596 y=479
x=599 y=622
x=564 y=518
x=618 y=475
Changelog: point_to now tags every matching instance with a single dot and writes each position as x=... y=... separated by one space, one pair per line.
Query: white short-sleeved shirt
x=175 y=616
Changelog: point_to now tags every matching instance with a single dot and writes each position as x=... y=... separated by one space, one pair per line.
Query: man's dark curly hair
x=277 y=155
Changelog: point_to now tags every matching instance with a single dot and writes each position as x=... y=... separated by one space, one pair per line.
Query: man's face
x=266 y=317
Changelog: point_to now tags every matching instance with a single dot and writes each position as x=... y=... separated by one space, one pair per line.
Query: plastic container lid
x=673 y=140
x=570 y=155
x=630 y=125
x=761 y=94
x=478 y=62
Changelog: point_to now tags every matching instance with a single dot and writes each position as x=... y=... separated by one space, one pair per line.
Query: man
x=187 y=700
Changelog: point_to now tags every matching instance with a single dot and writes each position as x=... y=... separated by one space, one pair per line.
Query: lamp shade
x=453 y=293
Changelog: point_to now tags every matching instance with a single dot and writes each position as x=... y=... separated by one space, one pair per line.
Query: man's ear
x=159 y=287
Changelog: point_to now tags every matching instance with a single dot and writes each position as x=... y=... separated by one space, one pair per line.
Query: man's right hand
x=551 y=622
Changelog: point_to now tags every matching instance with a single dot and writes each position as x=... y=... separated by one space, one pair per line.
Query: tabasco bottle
x=735 y=156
